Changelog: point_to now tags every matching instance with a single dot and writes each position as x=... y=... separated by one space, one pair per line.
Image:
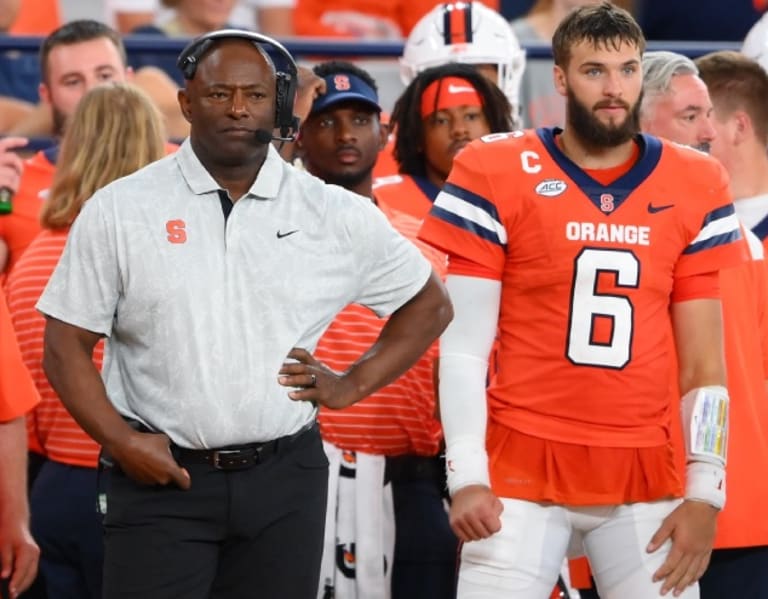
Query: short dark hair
x=602 y=25
x=75 y=32
x=407 y=120
x=736 y=82
x=333 y=67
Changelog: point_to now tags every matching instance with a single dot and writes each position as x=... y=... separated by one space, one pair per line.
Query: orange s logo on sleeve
x=176 y=232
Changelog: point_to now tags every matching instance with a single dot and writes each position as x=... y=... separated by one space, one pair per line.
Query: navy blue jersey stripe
x=474 y=199
x=718 y=213
x=467 y=225
x=714 y=241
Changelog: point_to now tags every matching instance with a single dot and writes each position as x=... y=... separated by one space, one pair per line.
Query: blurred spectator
x=271 y=17
x=363 y=19
x=189 y=18
x=19 y=74
x=75 y=58
x=114 y=131
x=756 y=42
x=512 y=9
x=676 y=104
x=70 y=80
x=705 y=20
x=37 y=17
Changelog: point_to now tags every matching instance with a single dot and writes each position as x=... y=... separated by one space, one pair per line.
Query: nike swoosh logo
x=654 y=209
x=281 y=235
x=457 y=89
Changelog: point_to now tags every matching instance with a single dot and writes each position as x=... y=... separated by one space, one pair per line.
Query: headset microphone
x=264 y=137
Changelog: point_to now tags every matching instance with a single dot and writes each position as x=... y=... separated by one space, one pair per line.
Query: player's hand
x=314 y=381
x=147 y=459
x=475 y=513
x=11 y=164
x=691 y=528
x=19 y=554
x=310 y=87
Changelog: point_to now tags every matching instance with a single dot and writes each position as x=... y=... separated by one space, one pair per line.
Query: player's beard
x=593 y=132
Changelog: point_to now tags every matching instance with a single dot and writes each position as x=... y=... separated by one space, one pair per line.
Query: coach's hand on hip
x=314 y=381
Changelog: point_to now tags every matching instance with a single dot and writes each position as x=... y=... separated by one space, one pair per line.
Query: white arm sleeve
x=464 y=349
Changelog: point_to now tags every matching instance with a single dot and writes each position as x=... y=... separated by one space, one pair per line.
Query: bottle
x=6 y=200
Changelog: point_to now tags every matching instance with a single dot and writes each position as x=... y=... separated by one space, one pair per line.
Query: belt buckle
x=234 y=459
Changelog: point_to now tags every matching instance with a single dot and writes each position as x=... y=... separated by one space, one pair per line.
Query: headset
x=286 y=75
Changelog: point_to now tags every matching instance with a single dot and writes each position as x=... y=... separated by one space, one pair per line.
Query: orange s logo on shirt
x=176 y=232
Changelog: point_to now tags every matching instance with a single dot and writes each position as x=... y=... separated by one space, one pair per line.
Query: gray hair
x=659 y=68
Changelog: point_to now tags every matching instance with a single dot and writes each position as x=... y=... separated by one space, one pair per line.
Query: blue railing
x=304 y=47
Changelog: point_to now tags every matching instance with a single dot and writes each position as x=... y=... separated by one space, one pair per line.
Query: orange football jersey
x=405 y=193
x=588 y=272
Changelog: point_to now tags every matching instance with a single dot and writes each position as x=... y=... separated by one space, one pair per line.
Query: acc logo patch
x=551 y=187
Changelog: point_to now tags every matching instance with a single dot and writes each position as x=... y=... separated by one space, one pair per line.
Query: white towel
x=359 y=528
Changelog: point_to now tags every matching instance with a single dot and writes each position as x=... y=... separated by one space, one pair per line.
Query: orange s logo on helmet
x=341 y=83
x=175 y=230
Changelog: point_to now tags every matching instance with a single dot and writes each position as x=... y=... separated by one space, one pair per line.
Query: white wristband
x=705 y=482
x=704 y=413
x=466 y=463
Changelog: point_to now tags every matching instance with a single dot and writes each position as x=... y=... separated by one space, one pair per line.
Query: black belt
x=239 y=457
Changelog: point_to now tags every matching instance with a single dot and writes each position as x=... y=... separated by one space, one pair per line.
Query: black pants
x=426 y=550
x=242 y=534
x=736 y=573
x=68 y=529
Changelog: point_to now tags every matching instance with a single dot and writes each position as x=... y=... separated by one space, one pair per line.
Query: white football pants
x=523 y=560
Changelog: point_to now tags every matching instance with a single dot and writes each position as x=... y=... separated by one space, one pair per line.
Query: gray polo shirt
x=200 y=312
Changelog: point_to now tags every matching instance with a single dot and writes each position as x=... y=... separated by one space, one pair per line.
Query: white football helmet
x=467 y=32
x=756 y=43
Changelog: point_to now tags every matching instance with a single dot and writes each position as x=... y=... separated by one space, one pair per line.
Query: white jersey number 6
x=587 y=305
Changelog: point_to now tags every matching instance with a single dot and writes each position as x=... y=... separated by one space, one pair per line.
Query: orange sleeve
x=462 y=266
x=17 y=392
x=701 y=286
x=761 y=290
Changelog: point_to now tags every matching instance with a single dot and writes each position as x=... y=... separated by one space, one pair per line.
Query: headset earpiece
x=286 y=74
